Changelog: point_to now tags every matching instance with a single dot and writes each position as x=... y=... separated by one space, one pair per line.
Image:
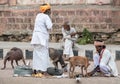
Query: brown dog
x=14 y=54
x=80 y=61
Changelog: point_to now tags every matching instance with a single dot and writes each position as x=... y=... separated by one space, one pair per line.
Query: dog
x=57 y=57
x=80 y=61
x=14 y=54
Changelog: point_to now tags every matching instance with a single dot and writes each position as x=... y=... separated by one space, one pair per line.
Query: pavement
x=6 y=76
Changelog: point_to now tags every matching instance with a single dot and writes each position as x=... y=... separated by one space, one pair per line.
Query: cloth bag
x=23 y=71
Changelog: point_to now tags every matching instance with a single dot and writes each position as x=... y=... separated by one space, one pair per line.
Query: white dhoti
x=105 y=68
x=68 y=48
x=41 y=60
x=108 y=64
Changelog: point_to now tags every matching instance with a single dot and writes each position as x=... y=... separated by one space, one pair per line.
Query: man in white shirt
x=40 y=39
x=103 y=60
x=69 y=37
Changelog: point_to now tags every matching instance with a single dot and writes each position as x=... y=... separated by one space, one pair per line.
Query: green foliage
x=86 y=37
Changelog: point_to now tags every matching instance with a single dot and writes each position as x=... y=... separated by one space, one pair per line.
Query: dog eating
x=15 y=54
x=56 y=57
x=80 y=61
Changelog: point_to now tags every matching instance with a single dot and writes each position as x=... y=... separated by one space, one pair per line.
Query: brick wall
x=2 y=2
x=98 y=19
x=16 y=20
x=30 y=2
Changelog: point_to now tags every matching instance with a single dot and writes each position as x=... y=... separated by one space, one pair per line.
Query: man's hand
x=73 y=34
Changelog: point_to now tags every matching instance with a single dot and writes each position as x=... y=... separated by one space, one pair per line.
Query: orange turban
x=98 y=43
x=44 y=8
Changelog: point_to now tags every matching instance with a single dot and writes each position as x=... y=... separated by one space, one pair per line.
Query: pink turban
x=98 y=43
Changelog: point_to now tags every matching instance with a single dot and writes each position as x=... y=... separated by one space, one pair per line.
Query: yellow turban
x=98 y=43
x=44 y=8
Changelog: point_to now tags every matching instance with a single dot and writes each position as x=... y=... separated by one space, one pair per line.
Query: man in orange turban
x=45 y=7
x=40 y=40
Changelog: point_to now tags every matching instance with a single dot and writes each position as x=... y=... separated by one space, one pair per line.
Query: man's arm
x=48 y=23
x=105 y=57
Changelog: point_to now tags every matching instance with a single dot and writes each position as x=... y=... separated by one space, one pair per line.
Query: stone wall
x=102 y=21
x=28 y=2
x=31 y=2
x=17 y=22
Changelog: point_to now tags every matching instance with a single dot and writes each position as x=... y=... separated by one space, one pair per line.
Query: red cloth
x=101 y=55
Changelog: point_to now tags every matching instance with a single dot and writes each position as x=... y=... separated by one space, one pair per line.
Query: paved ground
x=6 y=76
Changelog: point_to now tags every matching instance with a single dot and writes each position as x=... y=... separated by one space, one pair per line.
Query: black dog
x=56 y=57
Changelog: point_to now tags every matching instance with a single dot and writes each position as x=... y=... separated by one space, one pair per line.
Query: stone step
x=117 y=39
x=28 y=54
x=81 y=50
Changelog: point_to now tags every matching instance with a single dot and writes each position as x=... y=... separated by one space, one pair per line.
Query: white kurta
x=42 y=25
x=68 y=41
x=107 y=63
x=40 y=41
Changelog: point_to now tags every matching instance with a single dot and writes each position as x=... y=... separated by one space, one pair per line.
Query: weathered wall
x=29 y=2
x=32 y=2
x=103 y=21
x=17 y=22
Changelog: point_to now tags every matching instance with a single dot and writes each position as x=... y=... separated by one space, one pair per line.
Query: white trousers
x=103 y=67
x=68 y=48
x=41 y=60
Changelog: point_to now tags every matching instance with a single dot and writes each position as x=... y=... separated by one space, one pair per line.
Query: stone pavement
x=6 y=76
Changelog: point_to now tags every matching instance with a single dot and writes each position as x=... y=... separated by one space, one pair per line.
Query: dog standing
x=56 y=57
x=80 y=61
x=14 y=54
